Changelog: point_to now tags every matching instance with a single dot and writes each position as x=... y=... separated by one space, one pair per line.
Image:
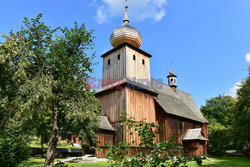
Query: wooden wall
x=140 y=106
x=112 y=103
x=134 y=102
x=135 y=68
x=104 y=139
x=116 y=70
x=126 y=66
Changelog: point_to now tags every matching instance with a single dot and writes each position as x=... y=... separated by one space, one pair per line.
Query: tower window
x=143 y=61
x=134 y=57
x=118 y=57
x=108 y=61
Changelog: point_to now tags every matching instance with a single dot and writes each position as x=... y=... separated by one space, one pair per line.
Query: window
x=118 y=57
x=180 y=126
x=108 y=61
x=134 y=57
x=143 y=61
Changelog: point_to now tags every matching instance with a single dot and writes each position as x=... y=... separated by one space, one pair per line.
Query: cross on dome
x=126 y=19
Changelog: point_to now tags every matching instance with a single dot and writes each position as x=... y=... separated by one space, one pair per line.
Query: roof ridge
x=169 y=86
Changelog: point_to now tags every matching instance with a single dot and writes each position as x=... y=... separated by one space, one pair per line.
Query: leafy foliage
x=198 y=159
x=43 y=81
x=13 y=146
x=229 y=120
x=149 y=152
x=219 y=112
x=220 y=138
x=242 y=116
x=219 y=109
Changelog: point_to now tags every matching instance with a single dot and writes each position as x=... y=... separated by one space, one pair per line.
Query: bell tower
x=126 y=60
x=172 y=80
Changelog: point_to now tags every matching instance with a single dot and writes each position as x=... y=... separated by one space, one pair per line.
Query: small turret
x=172 y=80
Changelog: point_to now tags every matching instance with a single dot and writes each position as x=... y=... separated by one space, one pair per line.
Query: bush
x=61 y=164
x=199 y=159
x=220 y=138
x=13 y=147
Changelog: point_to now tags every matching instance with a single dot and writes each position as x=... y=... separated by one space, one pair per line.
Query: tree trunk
x=42 y=142
x=50 y=156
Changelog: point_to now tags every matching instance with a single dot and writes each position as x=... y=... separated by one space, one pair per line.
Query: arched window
x=143 y=61
x=108 y=61
x=118 y=57
x=134 y=58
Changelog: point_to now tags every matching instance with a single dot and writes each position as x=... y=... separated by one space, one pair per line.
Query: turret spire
x=172 y=78
x=126 y=19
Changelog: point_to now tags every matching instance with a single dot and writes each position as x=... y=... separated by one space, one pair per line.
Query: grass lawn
x=35 y=143
x=211 y=162
x=223 y=162
x=39 y=163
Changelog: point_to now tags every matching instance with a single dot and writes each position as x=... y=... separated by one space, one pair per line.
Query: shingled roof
x=177 y=103
x=194 y=134
x=105 y=124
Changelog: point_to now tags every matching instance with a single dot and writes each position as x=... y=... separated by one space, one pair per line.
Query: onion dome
x=126 y=34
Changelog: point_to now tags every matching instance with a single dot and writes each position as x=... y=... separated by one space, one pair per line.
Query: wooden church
x=128 y=85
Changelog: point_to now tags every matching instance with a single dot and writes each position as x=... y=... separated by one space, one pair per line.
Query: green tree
x=241 y=123
x=43 y=79
x=220 y=109
x=219 y=112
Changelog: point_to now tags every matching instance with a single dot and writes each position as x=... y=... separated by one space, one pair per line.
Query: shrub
x=220 y=138
x=13 y=147
x=161 y=153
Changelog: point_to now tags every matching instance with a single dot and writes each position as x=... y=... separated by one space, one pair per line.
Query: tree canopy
x=219 y=109
x=43 y=82
x=241 y=122
x=229 y=120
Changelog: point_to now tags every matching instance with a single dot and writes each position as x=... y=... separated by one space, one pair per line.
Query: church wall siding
x=140 y=106
x=112 y=103
x=126 y=67
x=135 y=68
x=116 y=69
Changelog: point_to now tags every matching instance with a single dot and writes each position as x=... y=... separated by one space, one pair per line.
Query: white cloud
x=101 y=15
x=248 y=57
x=160 y=15
x=234 y=89
x=138 y=10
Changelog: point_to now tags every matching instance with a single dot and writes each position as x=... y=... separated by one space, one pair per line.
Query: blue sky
x=208 y=41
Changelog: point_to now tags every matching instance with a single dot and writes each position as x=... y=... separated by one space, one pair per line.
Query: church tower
x=125 y=60
x=122 y=65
